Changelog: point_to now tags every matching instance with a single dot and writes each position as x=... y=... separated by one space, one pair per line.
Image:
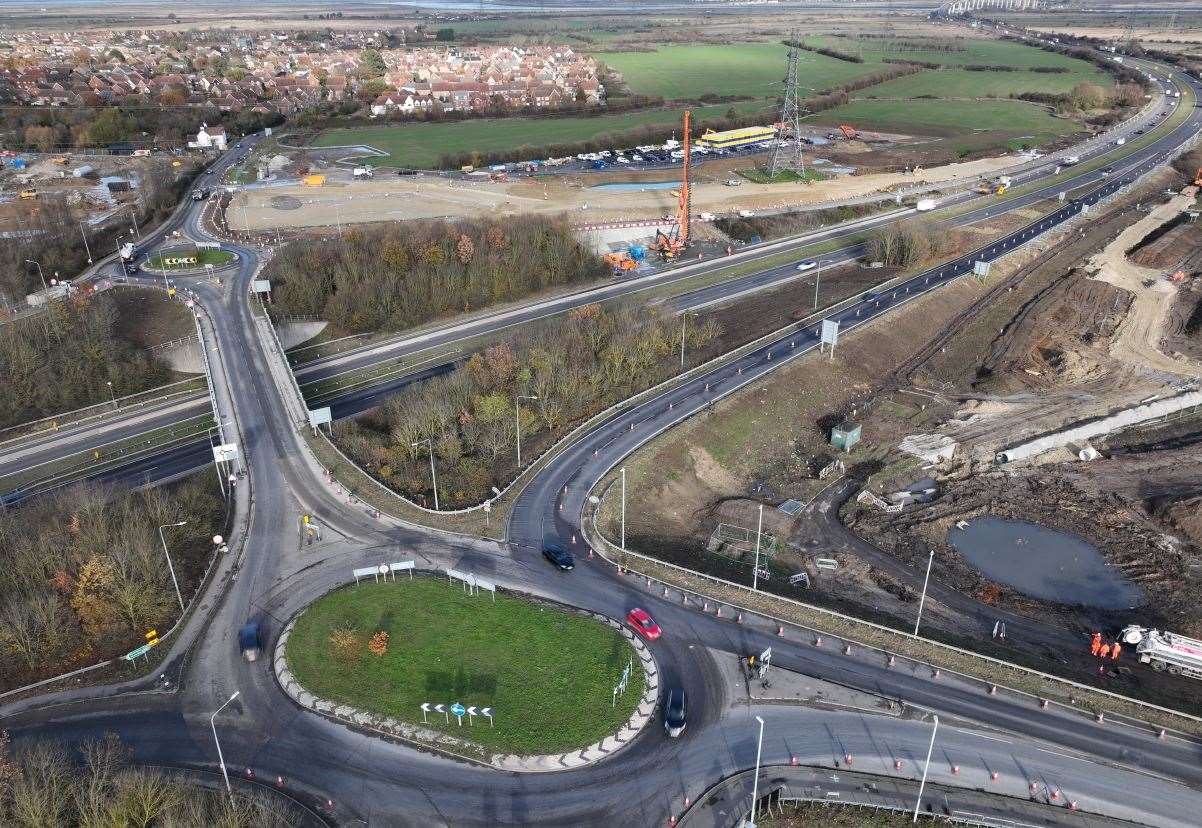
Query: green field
x=203 y=257
x=960 y=83
x=999 y=119
x=547 y=674
x=976 y=51
x=421 y=145
x=754 y=69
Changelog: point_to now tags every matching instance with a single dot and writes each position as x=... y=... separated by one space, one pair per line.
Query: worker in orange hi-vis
x=1115 y=649
x=1104 y=651
x=1095 y=643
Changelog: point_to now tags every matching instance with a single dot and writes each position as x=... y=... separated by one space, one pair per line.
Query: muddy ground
x=1057 y=353
x=1030 y=351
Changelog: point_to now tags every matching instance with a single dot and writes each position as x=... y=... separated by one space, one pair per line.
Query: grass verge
x=203 y=257
x=547 y=674
x=758 y=175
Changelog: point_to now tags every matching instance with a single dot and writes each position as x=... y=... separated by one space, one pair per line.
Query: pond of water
x=1043 y=563
x=635 y=186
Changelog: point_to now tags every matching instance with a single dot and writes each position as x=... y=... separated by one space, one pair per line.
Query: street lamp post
x=517 y=421
x=171 y=568
x=623 y=508
x=923 y=783
x=85 y=241
x=40 y=274
x=818 y=279
x=755 y=575
x=433 y=476
x=923 y=599
x=755 y=784
x=112 y=393
x=217 y=467
x=216 y=741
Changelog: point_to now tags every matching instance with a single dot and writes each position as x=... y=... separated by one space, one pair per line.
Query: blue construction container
x=19 y=163
x=638 y=252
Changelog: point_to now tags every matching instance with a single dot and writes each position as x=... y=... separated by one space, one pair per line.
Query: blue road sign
x=458 y=709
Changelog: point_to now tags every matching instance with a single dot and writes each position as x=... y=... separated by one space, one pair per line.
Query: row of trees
x=44 y=784
x=910 y=243
x=786 y=224
x=657 y=134
x=828 y=52
x=84 y=576
x=138 y=120
x=1004 y=67
x=575 y=368
x=65 y=357
x=394 y=277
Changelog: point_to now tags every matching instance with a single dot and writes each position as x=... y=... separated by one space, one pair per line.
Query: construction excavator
x=671 y=244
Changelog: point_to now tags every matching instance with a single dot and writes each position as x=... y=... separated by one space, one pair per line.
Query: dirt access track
x=1138 y=338
x=401 y=198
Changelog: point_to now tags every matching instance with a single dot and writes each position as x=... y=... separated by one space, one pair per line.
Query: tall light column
x=923 y=783
x=923 y=599
x=171 y=568
x=755 y=575
x=755 y=785
x=517 y=421
x=216 y=741
x=433 y=476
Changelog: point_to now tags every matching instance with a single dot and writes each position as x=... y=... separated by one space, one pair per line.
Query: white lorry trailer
x=1179 y=655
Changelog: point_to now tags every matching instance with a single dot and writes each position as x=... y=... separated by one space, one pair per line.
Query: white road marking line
x=983 y=736
x=1064 y=755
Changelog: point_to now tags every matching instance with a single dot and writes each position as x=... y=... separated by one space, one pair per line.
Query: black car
x=559 y=556
x=674 y=713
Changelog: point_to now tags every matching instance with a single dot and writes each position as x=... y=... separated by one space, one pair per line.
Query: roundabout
x=514 y=682
x=356 y=762
x=185 y=259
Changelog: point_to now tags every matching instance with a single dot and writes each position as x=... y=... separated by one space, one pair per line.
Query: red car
x=643 y=624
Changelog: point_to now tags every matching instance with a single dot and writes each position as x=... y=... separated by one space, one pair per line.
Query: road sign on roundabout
x=458 y=709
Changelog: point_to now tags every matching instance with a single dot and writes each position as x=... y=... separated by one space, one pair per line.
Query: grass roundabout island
x=548 y=674
x=189 y=259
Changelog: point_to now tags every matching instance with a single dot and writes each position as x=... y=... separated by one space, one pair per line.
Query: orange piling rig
x=672 y=244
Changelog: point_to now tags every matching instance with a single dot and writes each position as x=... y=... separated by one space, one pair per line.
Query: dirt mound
x=1169 y=250
x=1059 y=338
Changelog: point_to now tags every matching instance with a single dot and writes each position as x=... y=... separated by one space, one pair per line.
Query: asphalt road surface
x=89 y=436
x=1114 y=769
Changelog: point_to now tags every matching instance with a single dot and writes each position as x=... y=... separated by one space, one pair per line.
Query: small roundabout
x=510 y=681
x=181 y=259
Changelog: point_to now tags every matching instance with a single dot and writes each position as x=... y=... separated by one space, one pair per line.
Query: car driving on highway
x=808 y=264
x=559 y=556
x=675 y=718
x=643 y=624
